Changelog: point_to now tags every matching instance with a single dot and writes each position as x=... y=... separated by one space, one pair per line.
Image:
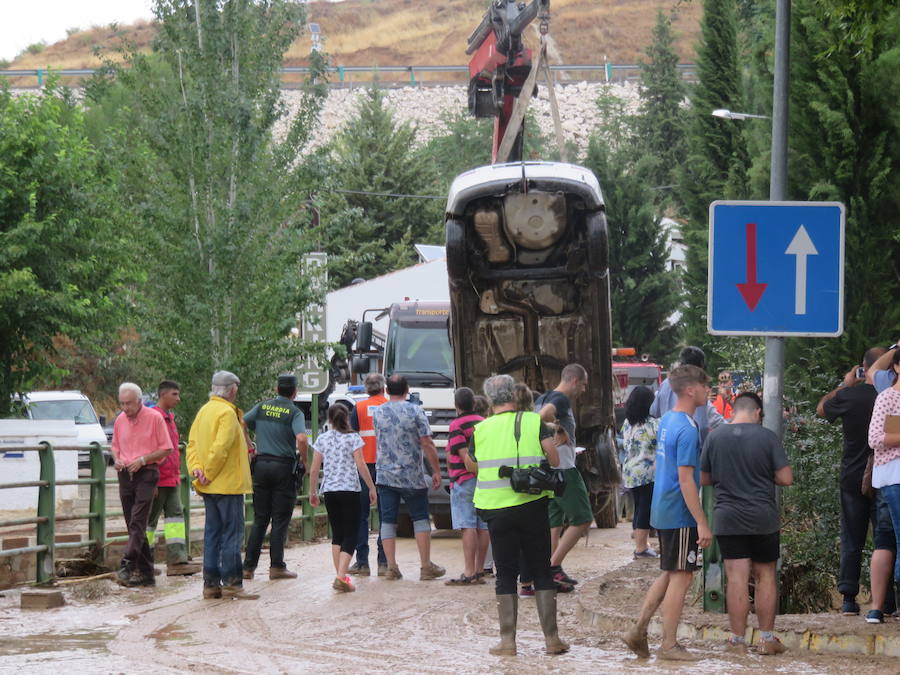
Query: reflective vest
x=367 y=425
x=495 y=446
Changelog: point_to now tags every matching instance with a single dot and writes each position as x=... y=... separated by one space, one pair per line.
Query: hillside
x=401 y=33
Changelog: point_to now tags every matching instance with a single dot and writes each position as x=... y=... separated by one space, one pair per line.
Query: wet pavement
x=302 y=625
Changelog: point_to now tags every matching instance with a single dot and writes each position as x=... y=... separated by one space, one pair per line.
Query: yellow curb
x=822 y=643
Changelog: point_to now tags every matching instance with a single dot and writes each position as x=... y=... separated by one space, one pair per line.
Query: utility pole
x=773 y=378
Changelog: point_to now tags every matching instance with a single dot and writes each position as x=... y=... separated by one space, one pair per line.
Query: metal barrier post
x=341 y=74
x=713 y=566
x=40 y=77
x=46 y=529
x=309 y=517
x=184 y=488
x=97 y=522
x=412 y=76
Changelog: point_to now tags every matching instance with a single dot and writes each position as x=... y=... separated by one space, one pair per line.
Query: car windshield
x=79 y=411
x=421 y=352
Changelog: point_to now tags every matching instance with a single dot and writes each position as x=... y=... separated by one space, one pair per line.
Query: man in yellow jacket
x=217 y=459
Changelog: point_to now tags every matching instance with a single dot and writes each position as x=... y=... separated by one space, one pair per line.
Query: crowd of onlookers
x=674 y=440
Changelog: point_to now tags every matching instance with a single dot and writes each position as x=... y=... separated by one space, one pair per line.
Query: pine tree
x=374 y=160
x=643 y=291
x=661 y=123
x=717 y=162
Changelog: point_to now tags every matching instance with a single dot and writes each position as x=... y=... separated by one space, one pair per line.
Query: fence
x=46 y=546
x=412 y=75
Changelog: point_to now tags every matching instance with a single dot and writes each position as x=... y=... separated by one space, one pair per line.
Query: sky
x=24 y=22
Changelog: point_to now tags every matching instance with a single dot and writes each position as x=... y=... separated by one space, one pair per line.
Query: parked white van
x=71 y=406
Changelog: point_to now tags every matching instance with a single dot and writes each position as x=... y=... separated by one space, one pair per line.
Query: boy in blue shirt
x=676 y=513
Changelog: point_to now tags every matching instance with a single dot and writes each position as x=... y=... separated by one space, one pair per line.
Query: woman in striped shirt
x=462 y=489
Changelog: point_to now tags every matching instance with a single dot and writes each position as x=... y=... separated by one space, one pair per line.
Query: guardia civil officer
x=518 y=522
x=280 y=443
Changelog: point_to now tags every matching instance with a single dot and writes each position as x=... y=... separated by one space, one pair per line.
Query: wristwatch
x=143 y=461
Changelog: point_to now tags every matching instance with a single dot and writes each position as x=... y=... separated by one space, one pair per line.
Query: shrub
x=36 y=47
x=72 y=31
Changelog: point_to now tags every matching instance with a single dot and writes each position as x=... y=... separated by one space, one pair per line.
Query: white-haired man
x=217 y=459
x=140 y=441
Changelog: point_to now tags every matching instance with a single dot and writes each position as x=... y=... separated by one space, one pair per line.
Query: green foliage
x=223 y=207
x=36 y=47
x=811 y=520
x=59 y=235
x=643 y=292
x=844 y=145
x=374 y=153
x=717 y=158
x=662 y=119
x=465 y=145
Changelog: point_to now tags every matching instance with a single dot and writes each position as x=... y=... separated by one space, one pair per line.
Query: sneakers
x=849 y=607
x=183 y=569
x=646 y=553
x=391 y=573
x=487 y=572
x=771 y=647
x=676 y=652
x=637 y=642
x=360 y=570
x=247 y=574
x=212 y=592
x=238 y=593
x=563 y=587
x=526 y=591
x=875 y=616
x=382 y=569
x=431 y=571
x=343 y=585
x=281 y=573
x=560 y=576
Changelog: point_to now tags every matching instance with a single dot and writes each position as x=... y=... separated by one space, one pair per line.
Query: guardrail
x=609 y=72
x=97 y=540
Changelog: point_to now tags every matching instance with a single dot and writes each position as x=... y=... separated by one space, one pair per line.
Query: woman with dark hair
x=340 y=450
x=639 y=465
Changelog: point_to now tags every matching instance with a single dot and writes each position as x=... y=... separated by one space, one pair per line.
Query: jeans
x=643 y=497
x=274 y=496
x=521 y=530
x=891 y=494
x=362 y=546
x=857 y=512
x=416 y=501
x=223 y=534
x=136 y=493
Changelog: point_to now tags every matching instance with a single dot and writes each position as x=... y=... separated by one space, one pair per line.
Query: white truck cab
x=71 y=406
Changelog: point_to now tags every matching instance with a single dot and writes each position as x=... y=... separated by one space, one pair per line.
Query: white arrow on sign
x=801 y=246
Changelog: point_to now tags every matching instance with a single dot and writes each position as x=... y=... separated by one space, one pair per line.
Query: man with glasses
x=724 y=395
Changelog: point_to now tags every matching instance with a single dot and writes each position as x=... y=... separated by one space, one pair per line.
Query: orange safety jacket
x=367 y=425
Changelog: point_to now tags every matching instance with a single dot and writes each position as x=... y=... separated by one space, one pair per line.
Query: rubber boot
x=546 y=607
x=508 y=610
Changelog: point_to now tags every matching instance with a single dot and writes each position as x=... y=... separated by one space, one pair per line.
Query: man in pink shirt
x=140 y=441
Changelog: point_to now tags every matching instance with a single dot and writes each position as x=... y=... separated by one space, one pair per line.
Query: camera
x=534 y=480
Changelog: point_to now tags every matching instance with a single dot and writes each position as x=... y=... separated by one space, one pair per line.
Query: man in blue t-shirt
x=676 y=513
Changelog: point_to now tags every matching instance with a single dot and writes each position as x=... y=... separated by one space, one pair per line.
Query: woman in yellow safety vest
x=517 y=521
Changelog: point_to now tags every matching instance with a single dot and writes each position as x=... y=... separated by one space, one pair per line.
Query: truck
x=416 y=345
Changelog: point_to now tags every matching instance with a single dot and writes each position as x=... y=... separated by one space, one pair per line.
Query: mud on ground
x=302 y=625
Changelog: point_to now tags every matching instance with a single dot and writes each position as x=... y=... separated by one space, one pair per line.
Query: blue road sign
x=776 y=268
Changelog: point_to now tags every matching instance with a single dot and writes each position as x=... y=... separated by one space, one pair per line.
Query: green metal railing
x=97 y=541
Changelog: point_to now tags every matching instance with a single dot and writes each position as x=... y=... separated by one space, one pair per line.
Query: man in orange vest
x=361 y=421
x=725 y=396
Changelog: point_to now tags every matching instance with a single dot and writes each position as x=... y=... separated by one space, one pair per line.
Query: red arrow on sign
x=751 y=290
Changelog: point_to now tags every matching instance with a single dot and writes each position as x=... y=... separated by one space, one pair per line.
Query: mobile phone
x=860 y=373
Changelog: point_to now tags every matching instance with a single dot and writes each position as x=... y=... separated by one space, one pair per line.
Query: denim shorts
x=883 y=532
x=462 y=506
x=416 y=500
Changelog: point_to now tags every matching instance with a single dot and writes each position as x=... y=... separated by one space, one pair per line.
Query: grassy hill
x=403 y=32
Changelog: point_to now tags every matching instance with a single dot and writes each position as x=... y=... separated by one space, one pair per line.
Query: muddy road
x=302 y=625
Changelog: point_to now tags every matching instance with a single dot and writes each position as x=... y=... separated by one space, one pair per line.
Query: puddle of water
x=54 y=642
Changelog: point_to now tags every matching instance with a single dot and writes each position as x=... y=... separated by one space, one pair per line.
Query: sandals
x=463 y=580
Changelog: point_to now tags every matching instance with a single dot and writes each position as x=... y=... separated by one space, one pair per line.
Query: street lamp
x=728 y=115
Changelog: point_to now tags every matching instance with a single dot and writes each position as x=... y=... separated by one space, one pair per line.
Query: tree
x=376 y=171
x=661 y=123
x=643 y=291
x=717 y=159
x=223 y=206
x=844 y=146
x=59 y=236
